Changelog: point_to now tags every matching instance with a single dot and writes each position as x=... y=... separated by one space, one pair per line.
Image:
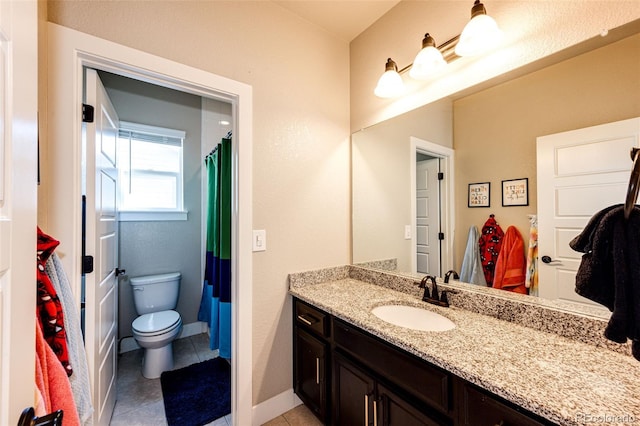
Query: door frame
x=18 y=205
x=69 y=51
x=447 y=207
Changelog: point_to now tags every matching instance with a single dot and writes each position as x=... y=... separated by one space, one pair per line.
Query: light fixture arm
x=447 y=49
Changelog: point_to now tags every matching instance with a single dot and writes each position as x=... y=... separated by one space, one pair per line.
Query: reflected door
x=428 y=216
x=580 y=172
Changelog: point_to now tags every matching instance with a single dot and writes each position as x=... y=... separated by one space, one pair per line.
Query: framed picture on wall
x=515 y=192
x=479 y=194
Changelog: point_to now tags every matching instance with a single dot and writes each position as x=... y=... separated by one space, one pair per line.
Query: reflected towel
x=471 y=270
x=511 y=264
x=531 y=281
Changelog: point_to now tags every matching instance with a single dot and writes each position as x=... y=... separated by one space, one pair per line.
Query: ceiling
x=345 y=19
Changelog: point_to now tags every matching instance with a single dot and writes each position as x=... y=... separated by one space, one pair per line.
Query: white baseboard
x=273 y=407
x=129 y=343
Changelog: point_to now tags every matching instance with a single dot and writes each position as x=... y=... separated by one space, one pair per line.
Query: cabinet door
x=482 y=409
x=353 y=394
x=310 y=372
x=396 y=411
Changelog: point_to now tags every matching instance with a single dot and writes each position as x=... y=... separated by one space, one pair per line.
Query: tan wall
x=532 y=30
x=300 y=79
x=495 y=130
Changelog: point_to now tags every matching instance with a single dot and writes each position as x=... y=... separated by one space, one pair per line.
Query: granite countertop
x=560 y=379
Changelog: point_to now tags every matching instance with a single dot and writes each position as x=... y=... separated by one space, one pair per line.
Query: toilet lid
x=155 y=322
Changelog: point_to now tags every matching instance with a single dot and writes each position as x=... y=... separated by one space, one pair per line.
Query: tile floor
x=139 y=400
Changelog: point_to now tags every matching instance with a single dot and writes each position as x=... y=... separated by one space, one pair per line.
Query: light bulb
x=390 y=83
x=428 y=62
x=480 y=34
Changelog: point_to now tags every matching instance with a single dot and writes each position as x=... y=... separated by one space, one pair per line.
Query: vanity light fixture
x=428 y=61
x=479 y=35
x=390 y=83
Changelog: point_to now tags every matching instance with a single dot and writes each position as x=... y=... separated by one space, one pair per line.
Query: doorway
x=432 y=206
x=579 y=173
x=428 y=215
x=71 y=52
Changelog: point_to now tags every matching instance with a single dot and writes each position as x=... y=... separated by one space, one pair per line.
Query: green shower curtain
x=215 y=305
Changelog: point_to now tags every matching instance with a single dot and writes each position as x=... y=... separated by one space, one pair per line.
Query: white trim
x=446 y=202
x=68 y=52
x=150 y=216
x=274 y=407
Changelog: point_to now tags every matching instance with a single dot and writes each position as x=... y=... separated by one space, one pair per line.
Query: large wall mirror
x=484 y=135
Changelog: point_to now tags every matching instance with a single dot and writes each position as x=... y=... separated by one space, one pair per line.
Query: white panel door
x=18 y=204
x=428 y=216
x=580 y=172
x=101 y=287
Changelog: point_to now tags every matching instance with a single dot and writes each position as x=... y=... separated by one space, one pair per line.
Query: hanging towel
x=531 y=282
x=80 y=384
x=471 y=270
x=609 y=271
x=510 y=272
x=49 y=309
x=57 y=383
x=490 y=243
x=42 y=378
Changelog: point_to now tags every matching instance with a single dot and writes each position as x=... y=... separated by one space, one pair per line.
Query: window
x=150 y=172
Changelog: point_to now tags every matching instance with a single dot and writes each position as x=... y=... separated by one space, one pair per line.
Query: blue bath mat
x=197 y=394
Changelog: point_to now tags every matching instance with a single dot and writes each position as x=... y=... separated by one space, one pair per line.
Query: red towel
x=490 y=243
x=510 y=272
x=57 y=388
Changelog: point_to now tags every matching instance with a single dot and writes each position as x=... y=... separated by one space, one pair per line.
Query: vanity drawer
x=415 y=376
x=480 y=408
x=310 y=318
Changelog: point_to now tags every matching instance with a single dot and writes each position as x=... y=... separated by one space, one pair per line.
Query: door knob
x=548 y=260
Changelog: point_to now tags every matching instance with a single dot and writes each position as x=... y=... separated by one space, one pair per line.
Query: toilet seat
x=156 y=323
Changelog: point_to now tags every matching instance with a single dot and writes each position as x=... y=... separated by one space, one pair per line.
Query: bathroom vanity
x=352 y=368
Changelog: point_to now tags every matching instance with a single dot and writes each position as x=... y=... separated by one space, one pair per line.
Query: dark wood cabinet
x=395 y=410
x=353 y=394
x=311 y=356
x=480 y=408
x=360 y=398
x=348 y=376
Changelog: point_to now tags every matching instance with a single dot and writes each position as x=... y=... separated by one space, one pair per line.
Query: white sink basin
x=413 y=318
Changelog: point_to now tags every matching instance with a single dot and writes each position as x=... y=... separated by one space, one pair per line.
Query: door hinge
x=87 y=264
x=440 y=175
x=87 y=113
x=441 y=235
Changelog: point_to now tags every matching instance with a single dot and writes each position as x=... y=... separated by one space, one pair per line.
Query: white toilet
x=155 y=297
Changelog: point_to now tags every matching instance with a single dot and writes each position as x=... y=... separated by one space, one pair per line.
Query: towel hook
x=634 y=183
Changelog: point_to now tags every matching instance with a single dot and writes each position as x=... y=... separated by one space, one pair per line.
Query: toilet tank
x=154 y=293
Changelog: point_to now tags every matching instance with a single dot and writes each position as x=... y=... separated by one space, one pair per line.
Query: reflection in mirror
x=398 y=201
x=493 y=131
